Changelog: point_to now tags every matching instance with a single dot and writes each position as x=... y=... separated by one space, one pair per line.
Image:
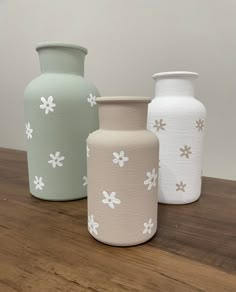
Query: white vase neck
x=175 y=84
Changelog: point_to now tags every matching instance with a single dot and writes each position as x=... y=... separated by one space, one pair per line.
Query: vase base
x=125 y=244
x=178 y=202
x=72 y=198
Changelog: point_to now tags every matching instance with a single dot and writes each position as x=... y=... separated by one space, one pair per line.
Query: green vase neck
x=61 y=58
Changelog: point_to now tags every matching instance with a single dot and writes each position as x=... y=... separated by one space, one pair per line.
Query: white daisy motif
x=48 y=104
x=39 y=183
x=148 y=226
x=92 y=225
x=151 y=181
x=91 y=99
x=87 y=150
x=28 y=131
x=120 y=158
x=110 y=199
x=56 y=159
x=85 y=181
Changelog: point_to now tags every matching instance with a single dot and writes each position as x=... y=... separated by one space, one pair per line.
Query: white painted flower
x=110 y=199
x=56 y=159
x=151 y=181
x=28 y=131
x=92 y=225
x=85 y=181
x=48 y=104
x=91 y=99
x=148 y=226
x=87 y=150
x=120 y=158
x=39 y=183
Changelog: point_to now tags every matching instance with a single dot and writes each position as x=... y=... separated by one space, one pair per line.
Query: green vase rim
x=62 y=45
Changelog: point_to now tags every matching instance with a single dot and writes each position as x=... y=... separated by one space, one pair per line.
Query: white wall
x=128 y=41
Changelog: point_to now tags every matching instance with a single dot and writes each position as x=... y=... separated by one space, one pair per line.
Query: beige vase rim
x=123 y=99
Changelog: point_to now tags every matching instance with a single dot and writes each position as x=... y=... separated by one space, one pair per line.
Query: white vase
x=178 y=119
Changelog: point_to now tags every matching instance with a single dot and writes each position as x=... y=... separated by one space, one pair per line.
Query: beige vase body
x=122 y=165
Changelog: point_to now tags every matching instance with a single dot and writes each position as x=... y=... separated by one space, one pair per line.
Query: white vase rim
x=173 y=74
x=60 y=45
x=116 y=99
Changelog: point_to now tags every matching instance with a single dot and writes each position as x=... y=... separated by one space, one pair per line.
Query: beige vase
x=122 y=165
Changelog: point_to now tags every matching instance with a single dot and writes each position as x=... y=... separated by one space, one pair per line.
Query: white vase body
x=178 y=119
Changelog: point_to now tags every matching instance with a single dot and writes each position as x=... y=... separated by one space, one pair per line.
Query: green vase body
x=60 y=112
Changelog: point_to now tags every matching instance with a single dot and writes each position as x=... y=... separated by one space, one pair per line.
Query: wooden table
x=45 y=246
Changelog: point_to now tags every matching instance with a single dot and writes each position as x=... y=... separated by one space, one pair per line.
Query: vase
x=60 y=112
x=178 y=119
x=122 y=159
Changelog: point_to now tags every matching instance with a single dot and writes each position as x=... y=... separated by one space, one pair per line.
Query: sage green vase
x=60 y=112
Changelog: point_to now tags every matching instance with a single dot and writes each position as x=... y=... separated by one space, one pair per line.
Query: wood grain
x=45 y=246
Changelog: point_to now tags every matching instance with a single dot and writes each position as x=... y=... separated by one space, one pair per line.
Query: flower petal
x=145 y=231
x=52 y=156
x=147 y=181
x=112 y=195
x=121 y=163
x=61 y=158
x=105 y=201
x=116 y=155
x=95 y=231
x=111 y=205
x=116 y=201
x=43 y=99
x=96 y=225
x=149 y=175
x=105 y=194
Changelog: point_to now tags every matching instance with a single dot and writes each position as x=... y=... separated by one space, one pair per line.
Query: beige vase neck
x=123 y=113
